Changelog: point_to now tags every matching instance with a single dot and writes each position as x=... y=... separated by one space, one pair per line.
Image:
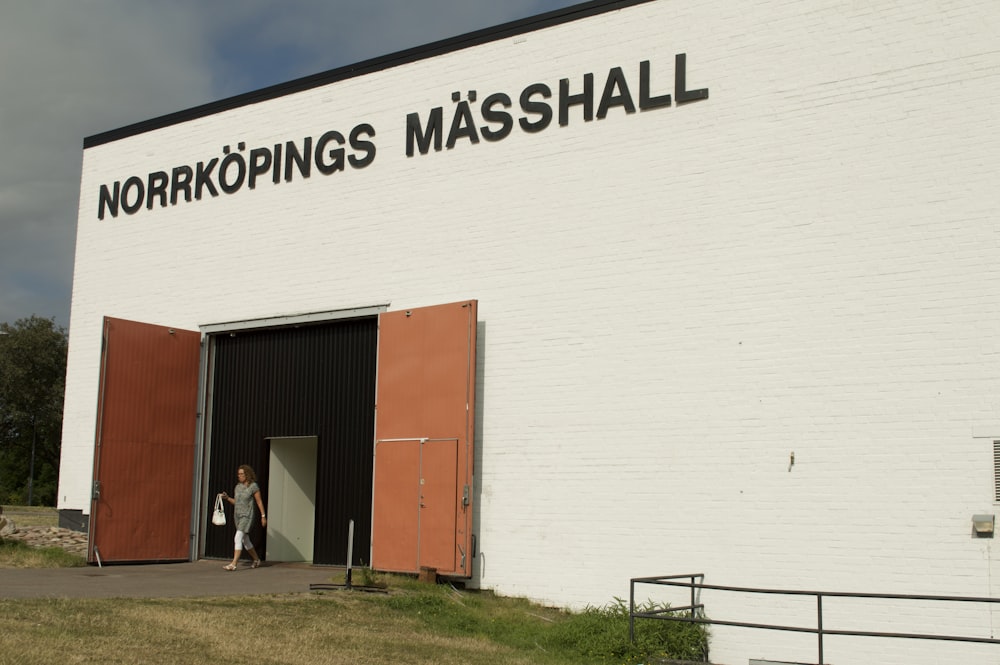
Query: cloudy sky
x=74 y=68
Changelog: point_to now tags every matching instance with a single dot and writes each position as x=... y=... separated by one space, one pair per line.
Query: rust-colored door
x=396 y=510
x=144 y=453
x=425 y=406
x=441 y=508
x=418 y=506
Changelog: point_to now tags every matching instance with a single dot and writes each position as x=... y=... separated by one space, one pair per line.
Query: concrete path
x=167 y=580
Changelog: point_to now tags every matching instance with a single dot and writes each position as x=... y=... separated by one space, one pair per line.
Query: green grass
x=15 y=554
x=595 y=635
x=31 y=515
x=414 y=623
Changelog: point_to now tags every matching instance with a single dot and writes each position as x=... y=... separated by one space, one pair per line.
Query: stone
x=74 y=542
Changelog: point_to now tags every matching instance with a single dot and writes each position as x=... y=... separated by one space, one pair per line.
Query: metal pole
x=4 y=333
x=31 y=472
x=631 y=609
x=819 y=625
x=350 y=553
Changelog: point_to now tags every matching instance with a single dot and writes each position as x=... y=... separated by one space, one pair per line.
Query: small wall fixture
x=982 y=525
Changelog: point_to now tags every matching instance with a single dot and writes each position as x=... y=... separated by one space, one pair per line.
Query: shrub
x=602 y=633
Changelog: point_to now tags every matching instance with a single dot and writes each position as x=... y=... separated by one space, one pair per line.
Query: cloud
x=69 y=70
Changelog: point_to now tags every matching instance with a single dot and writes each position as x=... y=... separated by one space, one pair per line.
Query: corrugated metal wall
x=310 y=380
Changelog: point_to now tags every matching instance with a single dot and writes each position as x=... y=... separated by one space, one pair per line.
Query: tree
x=32 y=384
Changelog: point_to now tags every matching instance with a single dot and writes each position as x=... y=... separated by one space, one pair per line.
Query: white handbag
x=219 y=516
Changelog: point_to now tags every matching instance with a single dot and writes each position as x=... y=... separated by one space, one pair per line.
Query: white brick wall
x=670 y=302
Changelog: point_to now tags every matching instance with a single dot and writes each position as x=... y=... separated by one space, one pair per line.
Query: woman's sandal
x=229 y=566
x=255 y=564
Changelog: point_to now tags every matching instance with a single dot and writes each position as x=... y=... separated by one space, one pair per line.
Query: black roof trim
x=555 y=17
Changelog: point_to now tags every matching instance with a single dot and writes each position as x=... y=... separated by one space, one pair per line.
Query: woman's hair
x=248 y=473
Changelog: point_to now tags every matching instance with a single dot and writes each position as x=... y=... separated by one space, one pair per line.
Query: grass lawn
x=414 y=623
x=32 y=515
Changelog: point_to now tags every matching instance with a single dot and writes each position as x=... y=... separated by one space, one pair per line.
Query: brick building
x=630 y=288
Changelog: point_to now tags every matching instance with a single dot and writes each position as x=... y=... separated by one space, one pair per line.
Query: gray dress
x=244 y=507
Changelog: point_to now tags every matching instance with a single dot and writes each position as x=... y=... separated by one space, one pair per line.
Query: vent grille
x=996 y=471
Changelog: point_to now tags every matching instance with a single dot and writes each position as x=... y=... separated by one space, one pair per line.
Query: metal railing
x=696 y=610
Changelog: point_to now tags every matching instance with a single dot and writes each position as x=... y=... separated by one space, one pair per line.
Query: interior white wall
x=291 y=499
x=672 y=301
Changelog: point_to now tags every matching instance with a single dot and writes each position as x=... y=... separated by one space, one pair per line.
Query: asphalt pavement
x=163 y=580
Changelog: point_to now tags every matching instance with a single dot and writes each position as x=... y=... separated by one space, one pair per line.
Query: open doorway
x=314 y=380
x=314 y=384
x=291 y=500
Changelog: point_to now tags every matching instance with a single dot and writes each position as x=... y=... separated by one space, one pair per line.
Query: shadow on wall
x=478 y=558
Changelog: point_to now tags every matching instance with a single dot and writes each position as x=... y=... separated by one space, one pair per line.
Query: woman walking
x=245 y=497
